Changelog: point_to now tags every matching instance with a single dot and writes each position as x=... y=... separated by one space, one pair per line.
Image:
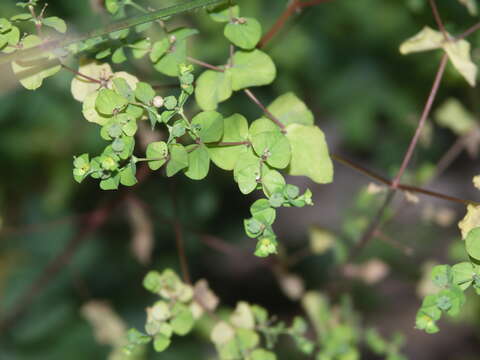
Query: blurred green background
x=342 y=58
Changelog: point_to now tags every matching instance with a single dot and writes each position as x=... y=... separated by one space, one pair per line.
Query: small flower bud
x=158 y=101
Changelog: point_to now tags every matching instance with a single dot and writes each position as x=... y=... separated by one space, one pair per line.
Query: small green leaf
x=244 y=32
x=209 y=126
x=159 y=49
x=224 y=13
x=136 y=337
x=170 y=102
x=161 y=342
x=182 y=321
x=266 y=246
x=463 y=274
x=153 y=281
x=158 y=152
x=108 y=102
x=252 y=68
x=273 y=182
x=198 y=162
x=263 y=212
x=253 y=227
x=119 y=56
x=274 y=147
x=247 y=339
x=56 y=23
x=235 y=130
x=111 y=183
x=144 y=92
x=127 y=175
x=289 y=109
x=212 y=88
x=310 y=156
x=247 y=172
x=472 y=243
x=262 y=354
x=112 y=6
x=442 y=275
x=178 y=159
x=140 y=48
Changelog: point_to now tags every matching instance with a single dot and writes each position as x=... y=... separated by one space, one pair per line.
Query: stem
x=257 y=102
x=438 y=19
x=232 y=143
x=204 y=64
x=468 y=32
x=423 y=119
x=81 y=75
x=103 y=31
x=280 y=23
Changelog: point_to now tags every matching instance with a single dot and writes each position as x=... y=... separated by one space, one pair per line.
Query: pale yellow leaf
x=242 y=317
x=292 y=286
x=222 y=333
x=470 y=221
x=321 y=240
x=476 y=181
x=81 y=87
x=425 y=40
x=459 y=54
x=471 y=6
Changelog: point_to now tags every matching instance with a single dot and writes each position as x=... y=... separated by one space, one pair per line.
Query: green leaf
x=246 y=339
x=208 y=126
x=263 y=212
x=81 y=167
x=262 y=125
x=253 y=227
x=266 y=246
x=182 y=321
x=56 y=23
x=136 y=337
x=112 y=6
x=127 y=175
x=168 y=64
x=212 y=88
x=252 y=68
x=140 y=48
x=274 y=147
x=310 y=155
x=273 y=182
x=244 y=32
x=153 y=281
x=111 y=183
x=235 y=129
x=32 y=71
x=224 y=12
x=90 y=113
x=161 y=342
x=289 y=109
x=442 y=275
x=463 y=274
x=198 y=162
x=247 y=172
x=119 y=56
x=159 y=151
x=472 y=243
x=145 y=93
x=178 y=159
x=108 y=102
x=159 y=49
x=262 y=354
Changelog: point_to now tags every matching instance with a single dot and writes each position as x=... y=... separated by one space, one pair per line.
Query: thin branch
x=410 y=188
x=265 y=110
x=423 y=119
x=372 y=227
x=438 y=19
x=81 y=75
x=291 y=9
x=468 y=32
x=204 y=64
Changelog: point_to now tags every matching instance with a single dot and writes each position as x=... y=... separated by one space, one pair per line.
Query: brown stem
x=438 y=19
x=294 y=6
x=468 y=32
x=272 y=117
x=204 y=64
x=423 y=119
x=81 y=75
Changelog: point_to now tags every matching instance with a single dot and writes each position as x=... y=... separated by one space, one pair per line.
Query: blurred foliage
x=342 y=58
